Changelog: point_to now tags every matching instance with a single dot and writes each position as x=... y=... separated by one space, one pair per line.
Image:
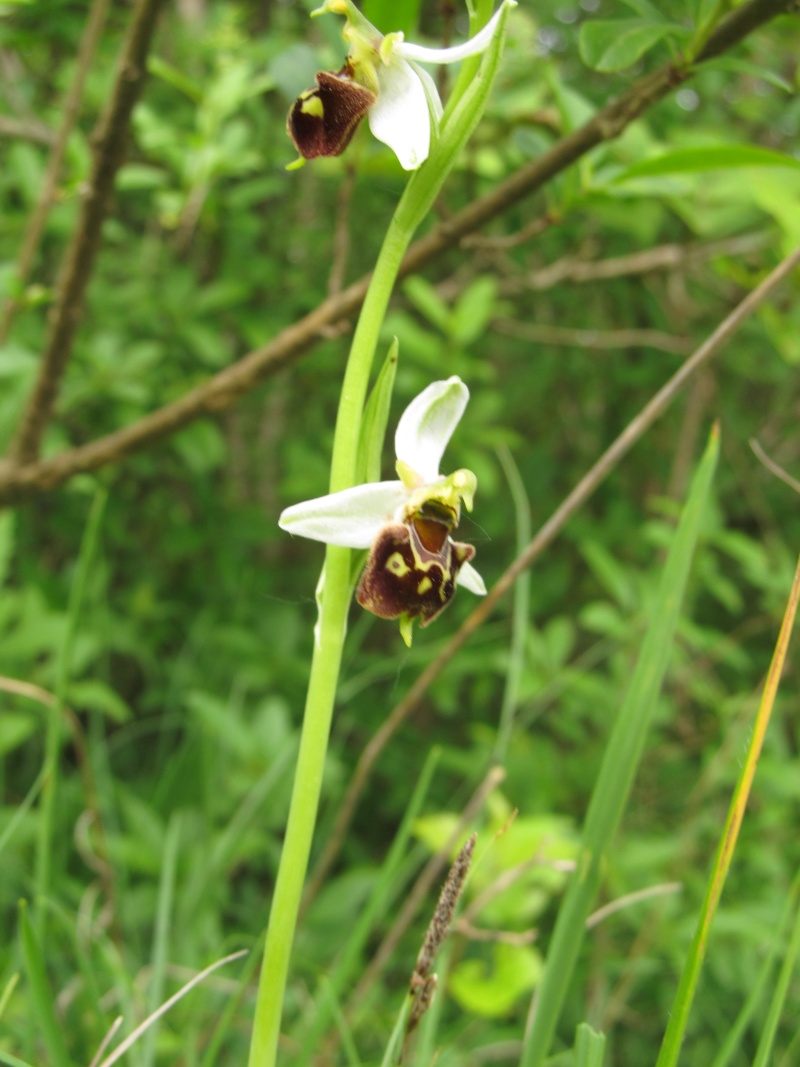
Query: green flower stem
x=416 y=202
x=334 y=603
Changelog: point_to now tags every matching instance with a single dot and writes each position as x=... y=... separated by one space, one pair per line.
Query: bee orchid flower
x=381 y=78
x=414 y=565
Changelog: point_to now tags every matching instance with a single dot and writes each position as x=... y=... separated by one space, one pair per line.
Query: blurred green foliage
x=189 y=668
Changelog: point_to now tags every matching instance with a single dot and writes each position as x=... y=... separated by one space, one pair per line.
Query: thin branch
x=35 y=228
x=110 y=140
x=17 y=483
x=26 y=130
x=664 y=889
x=614 y=339
x=662 y=257
x=545 y=536
x=771 y=465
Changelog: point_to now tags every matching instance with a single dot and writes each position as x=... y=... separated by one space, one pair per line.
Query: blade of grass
x=22 y=810
x=589 y=1047
x=345 y=966
x=764 y=1050
x=395 y=1042
x=11 y=985
x=676 y=1028
x=166 y=891
x=519 y=610
x=13 y=1061
x=620 y=763
x=134 y=1036
x=344 y=1031
x=211 y=1057
x=733 y=1038
x=43 y=1015
x=54 y=729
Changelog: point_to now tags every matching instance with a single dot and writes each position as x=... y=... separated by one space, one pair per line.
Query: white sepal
x=427 y=425
x=351 y=518
x=479 y=43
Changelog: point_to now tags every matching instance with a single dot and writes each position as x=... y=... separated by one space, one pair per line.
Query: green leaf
x=609 y=45
x=42 y=1015
x=428 y=302
x=752 y=70
x=473 y=311
x=15 y=729
x=710 y=157
x=201 y=446
x=92 y=694
x=492 y=990
x=620 y=764
x=375 y=419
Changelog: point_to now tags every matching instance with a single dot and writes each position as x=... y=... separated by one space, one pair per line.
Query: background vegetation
x=184 y=676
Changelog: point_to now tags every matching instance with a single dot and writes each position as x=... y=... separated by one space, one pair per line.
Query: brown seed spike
x=322 y=120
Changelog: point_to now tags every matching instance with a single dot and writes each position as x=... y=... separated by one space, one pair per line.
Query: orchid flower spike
x=381 y=78
x=414 y=565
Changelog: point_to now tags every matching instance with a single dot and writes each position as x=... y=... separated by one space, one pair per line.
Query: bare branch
x=771 y=465
x=35 y=228
x=110 y=140
x=26 y=130
x=17 y=483
x=614 y=339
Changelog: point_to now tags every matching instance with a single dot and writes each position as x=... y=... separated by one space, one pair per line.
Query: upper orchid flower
x=381 y=78
x=414 y=565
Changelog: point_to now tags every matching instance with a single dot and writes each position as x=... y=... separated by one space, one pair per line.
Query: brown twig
x=110 y=140
x=341 y=232
x=26 y=130
x=35 y=228
x=620 y=903
x=17 y=483
x=662 y=257
x=546 y=534
x=771 y=465
x=614 y=339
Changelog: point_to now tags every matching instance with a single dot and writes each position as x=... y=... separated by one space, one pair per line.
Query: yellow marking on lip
x=424 y=586
x=312 y=105
x=397 y=565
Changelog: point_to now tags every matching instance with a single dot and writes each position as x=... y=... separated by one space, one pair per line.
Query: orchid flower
x=380 y=78
x=414 y=565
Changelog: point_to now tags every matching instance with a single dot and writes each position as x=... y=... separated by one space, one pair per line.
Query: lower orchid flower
x=381 y=78
x=414 y=565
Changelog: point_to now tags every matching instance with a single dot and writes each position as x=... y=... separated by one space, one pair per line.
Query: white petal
x=431 y=92
x=427 y=425
x=400 y=117
x=351 y=518
x=479 y=43
x=468 y=578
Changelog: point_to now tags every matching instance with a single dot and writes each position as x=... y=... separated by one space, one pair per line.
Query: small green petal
x=407 y=629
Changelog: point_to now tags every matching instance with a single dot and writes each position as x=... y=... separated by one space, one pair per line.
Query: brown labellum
x=322 y=120
x=412 y=570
